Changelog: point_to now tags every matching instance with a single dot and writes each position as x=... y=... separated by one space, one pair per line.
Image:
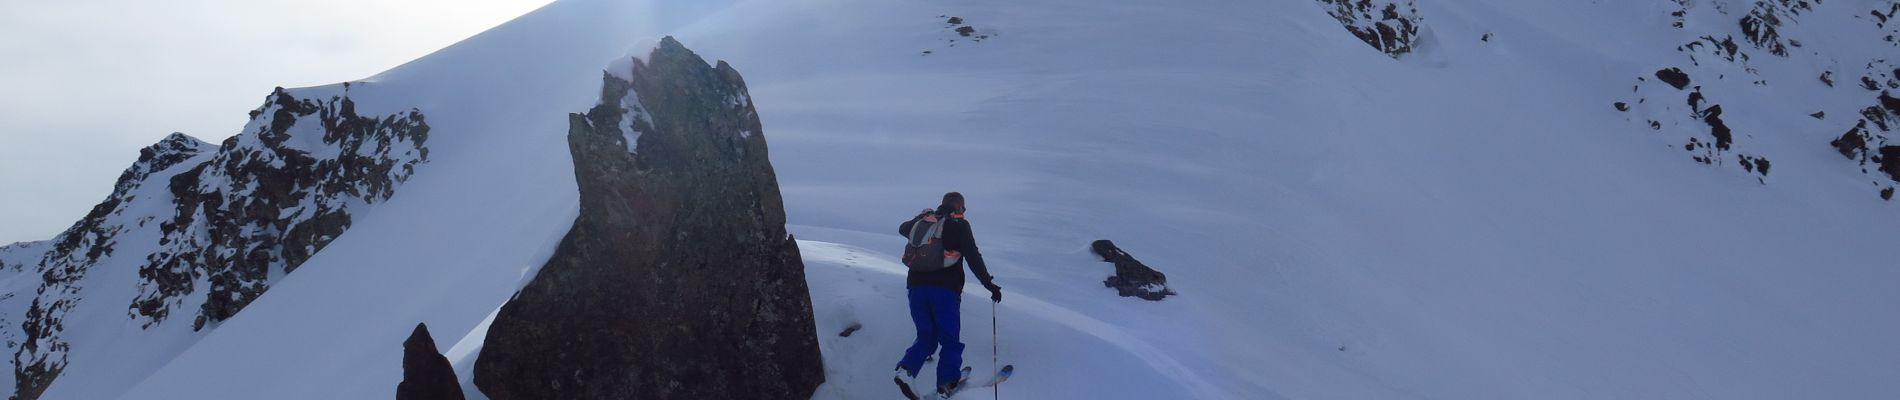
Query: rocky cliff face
x=271 y=199
x=678 y=279
x=1390 y=26
x=206 y=226
x=42 y=351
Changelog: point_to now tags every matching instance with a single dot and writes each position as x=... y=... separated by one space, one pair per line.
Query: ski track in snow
x=829 y=260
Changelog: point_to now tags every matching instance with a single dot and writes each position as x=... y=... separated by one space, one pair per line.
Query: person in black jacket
x=935 y=297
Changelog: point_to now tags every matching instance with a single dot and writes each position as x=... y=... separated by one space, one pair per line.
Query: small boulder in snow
x=1674 y=77
x=1132 y=278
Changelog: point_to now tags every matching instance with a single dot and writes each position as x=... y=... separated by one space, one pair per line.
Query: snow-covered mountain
x=1353 y=199
x=202 y=230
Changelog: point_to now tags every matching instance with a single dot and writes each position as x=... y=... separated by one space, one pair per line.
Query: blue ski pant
x=935 y=312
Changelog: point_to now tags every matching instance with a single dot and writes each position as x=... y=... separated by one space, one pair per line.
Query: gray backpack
x=924 y=252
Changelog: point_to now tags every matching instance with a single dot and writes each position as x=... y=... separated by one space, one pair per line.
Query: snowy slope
x=1470 y=220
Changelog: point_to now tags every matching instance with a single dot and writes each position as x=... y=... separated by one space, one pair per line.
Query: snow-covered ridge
x=205 y=228
x=77 y=251
x=272 y=198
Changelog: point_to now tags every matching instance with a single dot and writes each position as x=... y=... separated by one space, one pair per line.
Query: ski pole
x=995 y=391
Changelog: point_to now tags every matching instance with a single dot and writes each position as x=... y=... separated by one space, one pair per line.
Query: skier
x=936 y=293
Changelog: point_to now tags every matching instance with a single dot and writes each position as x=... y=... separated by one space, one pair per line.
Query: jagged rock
x=678 y=279
x=1681 y=13
x=1762 y=24
x=1892 y=104
x=1890 y=161
x=1393 y=30
x=260 y=203
x=1724 y=48
x=1886 y=194
x=1852 y=142
x=426 y=374
x=1755 y=164
x=1875 y=115
x=1718 y=128
x=266 y=203
x=1132 y=278
x=1674 y=77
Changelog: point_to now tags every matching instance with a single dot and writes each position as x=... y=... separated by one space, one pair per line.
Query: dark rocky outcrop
x=1390 y=26
x=1724 y=48
x=267 y=203
x=1853 y=142
x=42 y=352
x=261 y=203
x=1680 y=13
x=1718 y=128
x=678 y=279
x=1875 y=115
x=426 y=374
x=1754 y=164
x=1132 y=278
x=1890 y=161
x=1674 y=77
x=1762 y=24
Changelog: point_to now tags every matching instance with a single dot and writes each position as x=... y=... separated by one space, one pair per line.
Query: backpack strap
x=936 y=228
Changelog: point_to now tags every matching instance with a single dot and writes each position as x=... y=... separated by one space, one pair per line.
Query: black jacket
x=956 y=237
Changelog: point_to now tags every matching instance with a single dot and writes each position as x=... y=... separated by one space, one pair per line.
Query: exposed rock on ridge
x=678 y=279
x=1390 y=26
x=426 y=374
x=42 y=353
x=271 y=199
x=225 y=217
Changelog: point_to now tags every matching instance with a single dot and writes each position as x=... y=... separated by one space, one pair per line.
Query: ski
x=962 y=380
x=1001 y=376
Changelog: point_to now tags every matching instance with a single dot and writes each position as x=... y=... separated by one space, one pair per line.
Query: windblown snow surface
x=1472 y=220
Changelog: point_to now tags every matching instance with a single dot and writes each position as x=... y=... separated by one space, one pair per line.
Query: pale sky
x=85 y=84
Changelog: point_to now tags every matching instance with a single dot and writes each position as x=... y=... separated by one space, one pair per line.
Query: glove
x=996 y=292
